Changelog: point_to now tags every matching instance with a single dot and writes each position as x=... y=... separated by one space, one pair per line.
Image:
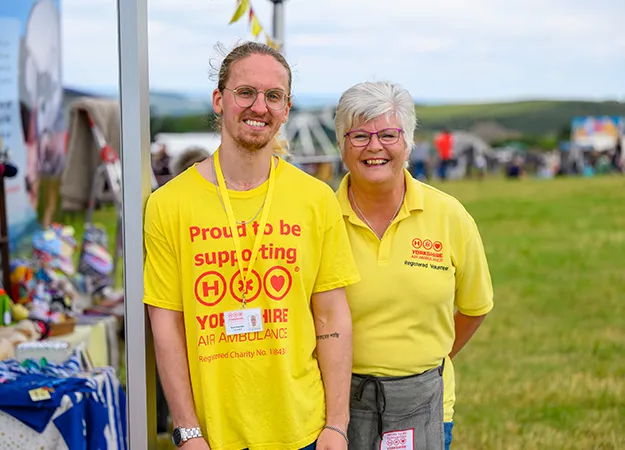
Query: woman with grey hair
x=425 y=285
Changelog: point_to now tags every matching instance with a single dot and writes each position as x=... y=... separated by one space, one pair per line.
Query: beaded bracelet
x=339 y=431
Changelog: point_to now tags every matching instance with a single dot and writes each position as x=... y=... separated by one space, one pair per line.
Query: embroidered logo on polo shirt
x=427 y=250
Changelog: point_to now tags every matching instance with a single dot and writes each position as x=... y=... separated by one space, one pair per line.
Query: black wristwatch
x=182 y=435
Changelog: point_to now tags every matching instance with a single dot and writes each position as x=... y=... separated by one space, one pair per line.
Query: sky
x=441 y=51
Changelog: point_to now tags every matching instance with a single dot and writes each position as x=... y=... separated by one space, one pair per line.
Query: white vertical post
x=136 y=186
x=278 y=23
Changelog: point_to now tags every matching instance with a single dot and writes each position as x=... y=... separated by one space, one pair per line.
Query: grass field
x=547 y=368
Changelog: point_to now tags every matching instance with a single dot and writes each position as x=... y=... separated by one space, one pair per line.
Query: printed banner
x=31 y=110
x=597 y=133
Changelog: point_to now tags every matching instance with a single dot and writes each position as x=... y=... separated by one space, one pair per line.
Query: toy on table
x=6 y=314
x=96 y=266
x=22 y=281
x=54 y=248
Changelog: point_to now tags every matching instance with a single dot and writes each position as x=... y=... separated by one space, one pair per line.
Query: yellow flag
x=271 y=43
x=256 y=27
x=243 y=6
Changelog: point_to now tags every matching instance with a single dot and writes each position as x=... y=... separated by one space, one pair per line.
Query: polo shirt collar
x=414 y=200
x=414 y=193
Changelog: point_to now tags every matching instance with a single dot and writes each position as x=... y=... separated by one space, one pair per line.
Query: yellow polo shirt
x=429 y=263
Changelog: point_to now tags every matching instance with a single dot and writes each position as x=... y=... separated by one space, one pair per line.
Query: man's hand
x=331 y=440
x=195 y=444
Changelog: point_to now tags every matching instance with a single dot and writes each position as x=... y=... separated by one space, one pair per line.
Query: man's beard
x=255 y=143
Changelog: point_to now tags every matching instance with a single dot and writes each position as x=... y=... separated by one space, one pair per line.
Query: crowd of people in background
x=443 y=158
x=439 y=158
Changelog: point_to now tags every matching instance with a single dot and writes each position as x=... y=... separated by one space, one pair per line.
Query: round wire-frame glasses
x=245 y=96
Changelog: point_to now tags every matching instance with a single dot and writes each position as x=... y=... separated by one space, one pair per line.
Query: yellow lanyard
x=221 y=183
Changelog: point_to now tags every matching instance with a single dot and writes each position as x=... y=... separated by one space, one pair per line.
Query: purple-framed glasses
x=361 y=138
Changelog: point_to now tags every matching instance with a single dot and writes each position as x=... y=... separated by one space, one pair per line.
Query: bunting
x=255 y=24
x=241 y=8
x=256 y=27
x=271 y=43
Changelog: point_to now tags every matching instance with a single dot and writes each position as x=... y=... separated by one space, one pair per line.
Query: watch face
x=176 y=438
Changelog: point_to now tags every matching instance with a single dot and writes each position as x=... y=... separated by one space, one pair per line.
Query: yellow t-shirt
x=258 y=390
x=429 y=262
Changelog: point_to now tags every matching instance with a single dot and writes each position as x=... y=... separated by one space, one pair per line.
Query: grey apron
x=387 y=404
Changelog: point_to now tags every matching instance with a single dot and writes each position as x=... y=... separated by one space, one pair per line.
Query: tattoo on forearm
x=326 y=336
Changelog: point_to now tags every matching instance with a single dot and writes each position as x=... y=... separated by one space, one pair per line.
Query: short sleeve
x=474 y=289
x=161 y=272
x=337 y=267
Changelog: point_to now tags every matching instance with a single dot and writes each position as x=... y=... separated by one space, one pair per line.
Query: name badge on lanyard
x=244 y=320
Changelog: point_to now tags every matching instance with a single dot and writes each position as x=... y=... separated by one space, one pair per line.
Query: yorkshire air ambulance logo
x=427 y=249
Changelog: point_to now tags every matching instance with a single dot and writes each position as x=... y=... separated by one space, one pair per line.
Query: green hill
x=528 y=117
x=491 y=121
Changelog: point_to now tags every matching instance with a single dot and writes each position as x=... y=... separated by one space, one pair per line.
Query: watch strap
x=190 y=433
x=187 y=433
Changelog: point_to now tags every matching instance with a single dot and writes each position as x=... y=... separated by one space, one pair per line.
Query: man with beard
x=247 y=258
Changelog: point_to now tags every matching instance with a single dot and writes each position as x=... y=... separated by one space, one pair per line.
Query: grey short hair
x=368 y=100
